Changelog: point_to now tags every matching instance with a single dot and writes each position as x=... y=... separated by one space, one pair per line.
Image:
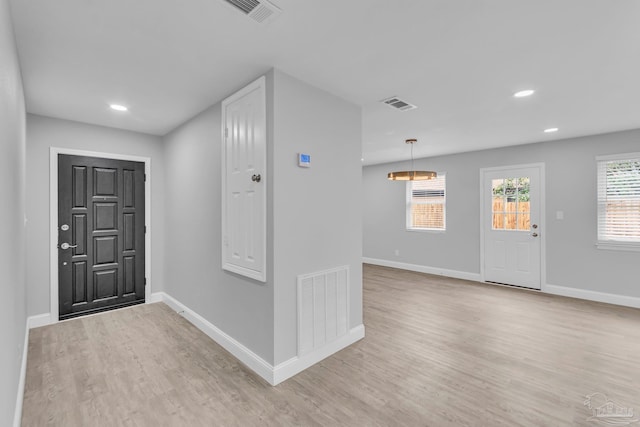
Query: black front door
x=100 y=234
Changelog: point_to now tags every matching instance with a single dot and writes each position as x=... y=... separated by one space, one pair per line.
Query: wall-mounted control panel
x=304 y=160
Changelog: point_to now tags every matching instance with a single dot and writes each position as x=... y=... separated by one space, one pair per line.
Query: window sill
x=619 y=246
x=427 y=230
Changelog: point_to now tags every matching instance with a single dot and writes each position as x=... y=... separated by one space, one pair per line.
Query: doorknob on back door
x=256 y=178
x=66 y=246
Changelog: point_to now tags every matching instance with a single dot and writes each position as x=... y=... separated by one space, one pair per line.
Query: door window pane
x=511 y=204
x=524 y=221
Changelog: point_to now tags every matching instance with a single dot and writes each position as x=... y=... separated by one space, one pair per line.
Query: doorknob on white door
x=535 y=234
x=66 y=246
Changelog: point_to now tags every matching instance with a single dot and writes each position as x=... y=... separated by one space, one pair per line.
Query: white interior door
x=244 y=182
x=512 y=228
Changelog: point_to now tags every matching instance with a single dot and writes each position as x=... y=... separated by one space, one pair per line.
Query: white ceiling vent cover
x=260 y=11
x=398 y=104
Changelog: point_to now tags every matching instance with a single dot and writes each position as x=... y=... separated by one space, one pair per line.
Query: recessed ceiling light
x=118 y=107
x=551 y=130
x=524 y=93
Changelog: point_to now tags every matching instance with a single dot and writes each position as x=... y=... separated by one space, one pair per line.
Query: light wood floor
x=437 y=352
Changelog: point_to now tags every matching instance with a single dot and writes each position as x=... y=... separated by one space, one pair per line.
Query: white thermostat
x=304 y=160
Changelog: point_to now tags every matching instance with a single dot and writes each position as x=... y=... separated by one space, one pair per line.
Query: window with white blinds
x=619 y=201
x=426 y=204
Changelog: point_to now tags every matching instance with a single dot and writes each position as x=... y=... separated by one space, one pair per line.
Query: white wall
x=240 y=307
x=317 y=211
x=313 y=216
x=12 y=217
x=572 y=259
x=45 y=132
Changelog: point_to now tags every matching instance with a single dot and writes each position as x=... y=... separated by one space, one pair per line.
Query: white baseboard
x=273 y=375
x=623 y=300
x=424 y=269
x=295 y=365
x=242 y=353
x=44 y=319
x=17 y=415
x=592 y=295
x=38 y=320
x=154 y=297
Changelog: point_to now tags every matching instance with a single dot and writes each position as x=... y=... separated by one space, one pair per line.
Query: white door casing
x=244 y=152
x=53 y=220
x=512 y=225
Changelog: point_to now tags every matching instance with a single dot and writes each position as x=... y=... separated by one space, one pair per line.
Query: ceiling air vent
x=398 y=104
x=259 y=10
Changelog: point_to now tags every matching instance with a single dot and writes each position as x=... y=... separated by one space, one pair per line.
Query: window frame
x=408 y=197
x=610 y=244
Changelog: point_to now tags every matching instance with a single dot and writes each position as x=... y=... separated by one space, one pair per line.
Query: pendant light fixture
x=412 y=175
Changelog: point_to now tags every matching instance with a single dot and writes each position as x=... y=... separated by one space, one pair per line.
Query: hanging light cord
x=412 y=168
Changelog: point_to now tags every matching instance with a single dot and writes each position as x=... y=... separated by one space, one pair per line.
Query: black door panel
x=101 y=218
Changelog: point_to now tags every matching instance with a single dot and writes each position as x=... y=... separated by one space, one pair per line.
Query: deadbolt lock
x=64 y=227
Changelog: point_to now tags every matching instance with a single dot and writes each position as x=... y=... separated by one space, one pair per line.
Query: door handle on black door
x=66 y=246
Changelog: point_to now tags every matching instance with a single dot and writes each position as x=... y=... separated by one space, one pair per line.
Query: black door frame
x=53 y=219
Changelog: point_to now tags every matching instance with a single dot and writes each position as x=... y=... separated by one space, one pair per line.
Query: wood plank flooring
x=437 y=352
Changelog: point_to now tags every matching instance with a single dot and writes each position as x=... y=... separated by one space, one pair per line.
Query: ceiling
x=459 y=61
